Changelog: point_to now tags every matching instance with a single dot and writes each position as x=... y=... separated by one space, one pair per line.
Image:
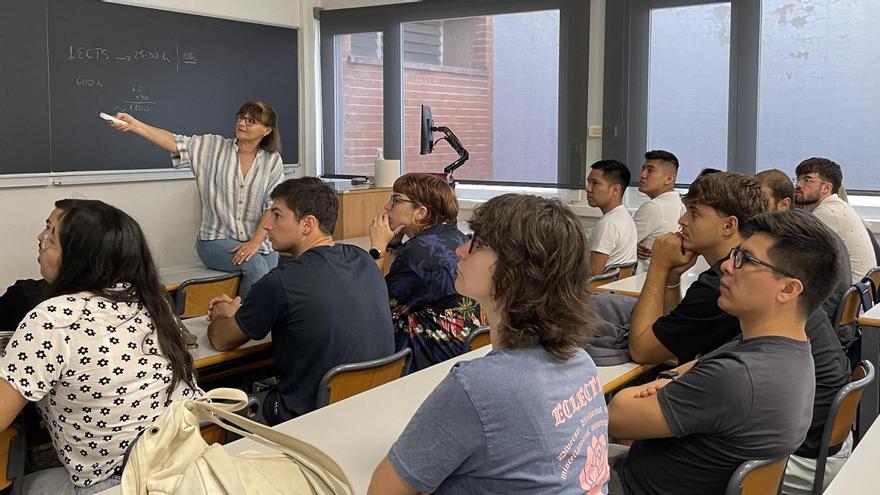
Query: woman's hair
x=433 y=193
x=540 y=280
x=101 y=246
x=263 y=112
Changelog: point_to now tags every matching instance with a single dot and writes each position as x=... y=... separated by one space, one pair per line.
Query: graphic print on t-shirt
x=588 y=441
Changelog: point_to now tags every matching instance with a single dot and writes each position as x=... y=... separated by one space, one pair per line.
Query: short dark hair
x=432 y=192
x=805 y=248
x=102 y=246
x=707 y=171
x=540 y=277
x=779 y=183
x=615 y=172
x=729 y=193
x=827 y=169
x=310 y=196
x=662 y=155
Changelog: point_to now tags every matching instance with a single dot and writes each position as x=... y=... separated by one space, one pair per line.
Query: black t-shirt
x=698 y=326
x=327 y=307
x=19 y=299
x=752 y=401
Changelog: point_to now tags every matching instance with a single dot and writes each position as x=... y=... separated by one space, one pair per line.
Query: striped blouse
x=232 y=205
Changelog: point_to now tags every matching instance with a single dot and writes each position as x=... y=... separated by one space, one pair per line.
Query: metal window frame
x=574 y=21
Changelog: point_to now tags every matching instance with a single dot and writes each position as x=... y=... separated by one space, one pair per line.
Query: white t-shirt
x=845 y=222
x=615 y=235
x=657 y=216
x=96 y=371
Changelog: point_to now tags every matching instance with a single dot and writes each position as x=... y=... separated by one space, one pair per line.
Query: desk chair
x=12 y=454
x=841 y=417
x=346 y=380
x=872 y=278
x=194 y=295
x=763 y=477
x=478 y=338
x=626 y=269
x=855 y=300
x=602 y=279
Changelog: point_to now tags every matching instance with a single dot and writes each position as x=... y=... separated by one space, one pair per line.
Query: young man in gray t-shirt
x=752 y=400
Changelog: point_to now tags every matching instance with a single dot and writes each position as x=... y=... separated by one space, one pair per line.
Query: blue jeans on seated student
x=56 y=481
x=217 y=255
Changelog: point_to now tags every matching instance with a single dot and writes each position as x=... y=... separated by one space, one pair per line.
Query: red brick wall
x=460 y=98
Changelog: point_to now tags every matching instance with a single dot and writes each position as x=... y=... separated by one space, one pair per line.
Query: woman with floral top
x=429 y=316
x=103 y=356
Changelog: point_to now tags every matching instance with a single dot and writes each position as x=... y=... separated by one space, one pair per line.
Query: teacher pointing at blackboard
x=234 y=178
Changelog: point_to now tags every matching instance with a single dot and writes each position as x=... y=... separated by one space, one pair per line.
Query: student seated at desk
x=329 y=306
x=665 y=326
x=429 y=316
x=749 y=400
x=530 y=416
x=103 y=356
x=614 y=237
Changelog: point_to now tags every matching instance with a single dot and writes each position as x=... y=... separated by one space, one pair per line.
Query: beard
x=802 y=199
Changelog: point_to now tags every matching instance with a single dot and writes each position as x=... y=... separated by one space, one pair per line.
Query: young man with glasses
x=817 y=183
x=751 y=399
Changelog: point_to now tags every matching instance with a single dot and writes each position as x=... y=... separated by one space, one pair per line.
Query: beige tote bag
x=171 y=456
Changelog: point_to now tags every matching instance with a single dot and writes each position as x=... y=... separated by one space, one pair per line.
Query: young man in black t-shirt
x=749 y=400
x=328 y=306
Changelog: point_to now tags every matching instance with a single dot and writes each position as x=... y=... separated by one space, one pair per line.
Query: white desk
x=632 y=286
x=205 y=355
x=172 y=276
x=860 y=473
x=357 y=432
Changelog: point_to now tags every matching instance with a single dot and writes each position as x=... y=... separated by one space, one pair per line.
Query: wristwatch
x=376 y=254
x=669 y=375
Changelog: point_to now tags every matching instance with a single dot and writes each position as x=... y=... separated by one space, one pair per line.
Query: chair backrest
x=194 y=295
x=602 y=279
x=852 y=303
x=12 y=456
x=872 y=278
x=346 y=380
x=626 y=269
x=478 y=338
x=760 y=477
x=841 y=417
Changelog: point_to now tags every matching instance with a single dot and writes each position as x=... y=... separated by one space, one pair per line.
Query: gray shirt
x=514 y=421
x=753 y=401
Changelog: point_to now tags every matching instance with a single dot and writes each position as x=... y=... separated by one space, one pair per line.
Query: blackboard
x=64 y=61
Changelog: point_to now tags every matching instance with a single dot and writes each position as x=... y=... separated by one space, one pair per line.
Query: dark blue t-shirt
x=327 y=307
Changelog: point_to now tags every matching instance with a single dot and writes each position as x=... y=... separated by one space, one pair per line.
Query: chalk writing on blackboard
x=139 y=55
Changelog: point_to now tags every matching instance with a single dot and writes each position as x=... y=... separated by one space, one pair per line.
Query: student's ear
x=309 y=224
x=730 y=227
x=791 y=291
x=784 y=204
x=421 y=213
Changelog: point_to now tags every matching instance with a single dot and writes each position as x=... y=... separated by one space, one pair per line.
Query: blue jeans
x=56 y=481
x=217 y=255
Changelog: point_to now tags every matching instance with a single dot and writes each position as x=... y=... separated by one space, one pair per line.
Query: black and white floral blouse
x=95 y=369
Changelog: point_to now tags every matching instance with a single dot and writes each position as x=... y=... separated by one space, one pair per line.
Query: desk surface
x=205 y=355
x=632 y=286
x=172 y=276
x=357 y=432
x=860 y=473
x=871 y=317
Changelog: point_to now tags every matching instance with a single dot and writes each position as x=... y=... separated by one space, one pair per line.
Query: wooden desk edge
x=230 y=355
x=868 y=321
x=6 y=437
x=629 y=375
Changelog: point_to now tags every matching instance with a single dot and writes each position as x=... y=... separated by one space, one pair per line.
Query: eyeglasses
x=476 y=243
x=248 y=120
x=400 y=199
x=739 y=256
x=806 y=179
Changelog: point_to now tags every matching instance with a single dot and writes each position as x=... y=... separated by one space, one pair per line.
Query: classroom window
x=819 y=85
x=688 y=74
x=359 y=101
x=497 y=90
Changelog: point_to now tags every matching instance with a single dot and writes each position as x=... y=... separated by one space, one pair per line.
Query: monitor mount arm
x=453 y=141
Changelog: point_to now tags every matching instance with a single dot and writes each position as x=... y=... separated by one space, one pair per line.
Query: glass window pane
x=359 y=104
x=493 y=80
x=820 y=86
x=688 y=74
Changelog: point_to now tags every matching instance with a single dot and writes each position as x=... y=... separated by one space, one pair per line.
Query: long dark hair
x=101 y=246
